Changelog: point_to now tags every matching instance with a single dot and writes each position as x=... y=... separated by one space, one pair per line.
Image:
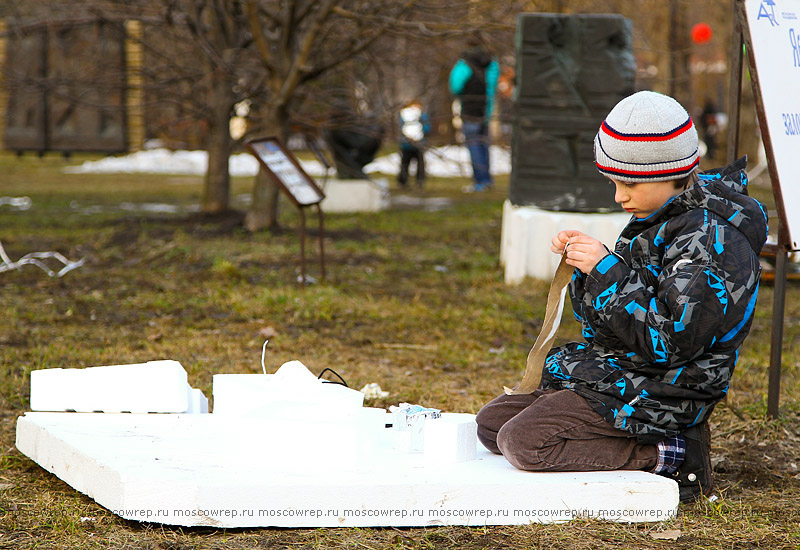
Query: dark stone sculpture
x=571 y=71
x=354 y=142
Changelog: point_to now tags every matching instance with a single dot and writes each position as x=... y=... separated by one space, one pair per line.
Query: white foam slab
x=155 y=386
x=216 y=471
x=527 y=231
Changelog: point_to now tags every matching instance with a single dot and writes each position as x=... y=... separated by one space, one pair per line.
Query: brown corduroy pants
x=558 y=431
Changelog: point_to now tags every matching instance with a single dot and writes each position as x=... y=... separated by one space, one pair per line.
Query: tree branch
x=256 y=29
x=298 y=66
x=359 y=46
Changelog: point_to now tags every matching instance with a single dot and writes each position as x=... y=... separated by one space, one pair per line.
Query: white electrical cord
x=263 y=351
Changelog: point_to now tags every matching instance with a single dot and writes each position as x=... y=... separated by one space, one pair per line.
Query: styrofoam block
x=450 y=439
x=181 y=470
x=198 y=402
x=527 y=232
x=355 y=196
x=155 y=386
x=267 y=394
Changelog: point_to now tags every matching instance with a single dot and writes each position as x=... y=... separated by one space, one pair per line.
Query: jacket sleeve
x=663 y=320
x=577 y=292
x=492 y=77
x=459 y=75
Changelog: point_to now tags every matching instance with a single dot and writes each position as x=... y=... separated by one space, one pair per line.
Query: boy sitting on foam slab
x=663 y=315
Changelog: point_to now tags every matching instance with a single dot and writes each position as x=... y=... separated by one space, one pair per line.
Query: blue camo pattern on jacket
x=665 y=315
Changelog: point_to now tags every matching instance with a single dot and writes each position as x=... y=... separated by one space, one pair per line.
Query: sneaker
x=477 y=188
x=694 y=475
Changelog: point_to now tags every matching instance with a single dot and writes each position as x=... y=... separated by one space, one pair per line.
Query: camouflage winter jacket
x=664 y=316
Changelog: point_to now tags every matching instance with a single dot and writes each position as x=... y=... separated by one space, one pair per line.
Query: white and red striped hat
x=646 y=137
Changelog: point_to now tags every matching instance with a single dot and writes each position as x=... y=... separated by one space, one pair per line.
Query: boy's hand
x=583 y=251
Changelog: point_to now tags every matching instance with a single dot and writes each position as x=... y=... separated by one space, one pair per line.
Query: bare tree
x=217 y=33
x=299 y=41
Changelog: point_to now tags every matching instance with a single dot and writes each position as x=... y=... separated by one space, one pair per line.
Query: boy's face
x=642 y=199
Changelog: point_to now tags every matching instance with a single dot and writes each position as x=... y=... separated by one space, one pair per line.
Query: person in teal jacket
x=473 y=80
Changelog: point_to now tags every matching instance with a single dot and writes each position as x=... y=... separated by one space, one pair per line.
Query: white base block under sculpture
x=347 y=196
x=223 y=471
x=527 y=232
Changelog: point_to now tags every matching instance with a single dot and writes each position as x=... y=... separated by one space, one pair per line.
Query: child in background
x=414 y=130
x=664 y=315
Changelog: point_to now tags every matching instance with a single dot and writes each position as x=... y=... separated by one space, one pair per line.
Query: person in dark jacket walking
x=664 y=315
x=473 y=80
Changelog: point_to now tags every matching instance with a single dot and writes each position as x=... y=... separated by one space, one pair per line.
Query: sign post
x=286 y=172
x=769 y=30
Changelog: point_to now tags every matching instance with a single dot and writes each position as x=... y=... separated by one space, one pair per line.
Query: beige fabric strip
x=552 y=320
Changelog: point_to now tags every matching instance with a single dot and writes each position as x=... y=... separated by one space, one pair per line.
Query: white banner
x=775 y=33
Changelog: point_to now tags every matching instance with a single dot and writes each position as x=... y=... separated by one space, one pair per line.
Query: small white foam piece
x=450 y=439
x=155 y=386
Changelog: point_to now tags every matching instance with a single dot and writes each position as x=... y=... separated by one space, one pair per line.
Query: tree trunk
x=263 y=213
x=680 y=84
x=216 y=193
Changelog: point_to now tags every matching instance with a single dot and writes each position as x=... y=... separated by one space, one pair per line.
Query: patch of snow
x=441 y=162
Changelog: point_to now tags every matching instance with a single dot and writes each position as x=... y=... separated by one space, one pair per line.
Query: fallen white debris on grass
x=373 y=391
x=19 y=203
x=35 y=258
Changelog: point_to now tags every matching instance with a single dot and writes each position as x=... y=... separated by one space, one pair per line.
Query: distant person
x=473 y=80
x=709 y=128
x=664 y=314
x=414 y=129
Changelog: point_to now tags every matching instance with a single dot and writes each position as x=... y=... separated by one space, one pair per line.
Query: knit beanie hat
x=646 y=137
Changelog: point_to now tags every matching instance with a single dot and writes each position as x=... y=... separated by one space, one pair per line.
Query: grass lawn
x=414 y=300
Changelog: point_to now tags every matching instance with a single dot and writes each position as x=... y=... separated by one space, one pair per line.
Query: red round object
x=701 y=33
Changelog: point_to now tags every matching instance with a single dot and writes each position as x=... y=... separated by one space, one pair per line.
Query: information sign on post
x=284 y=169
x=769 y=30
x=774 y=46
